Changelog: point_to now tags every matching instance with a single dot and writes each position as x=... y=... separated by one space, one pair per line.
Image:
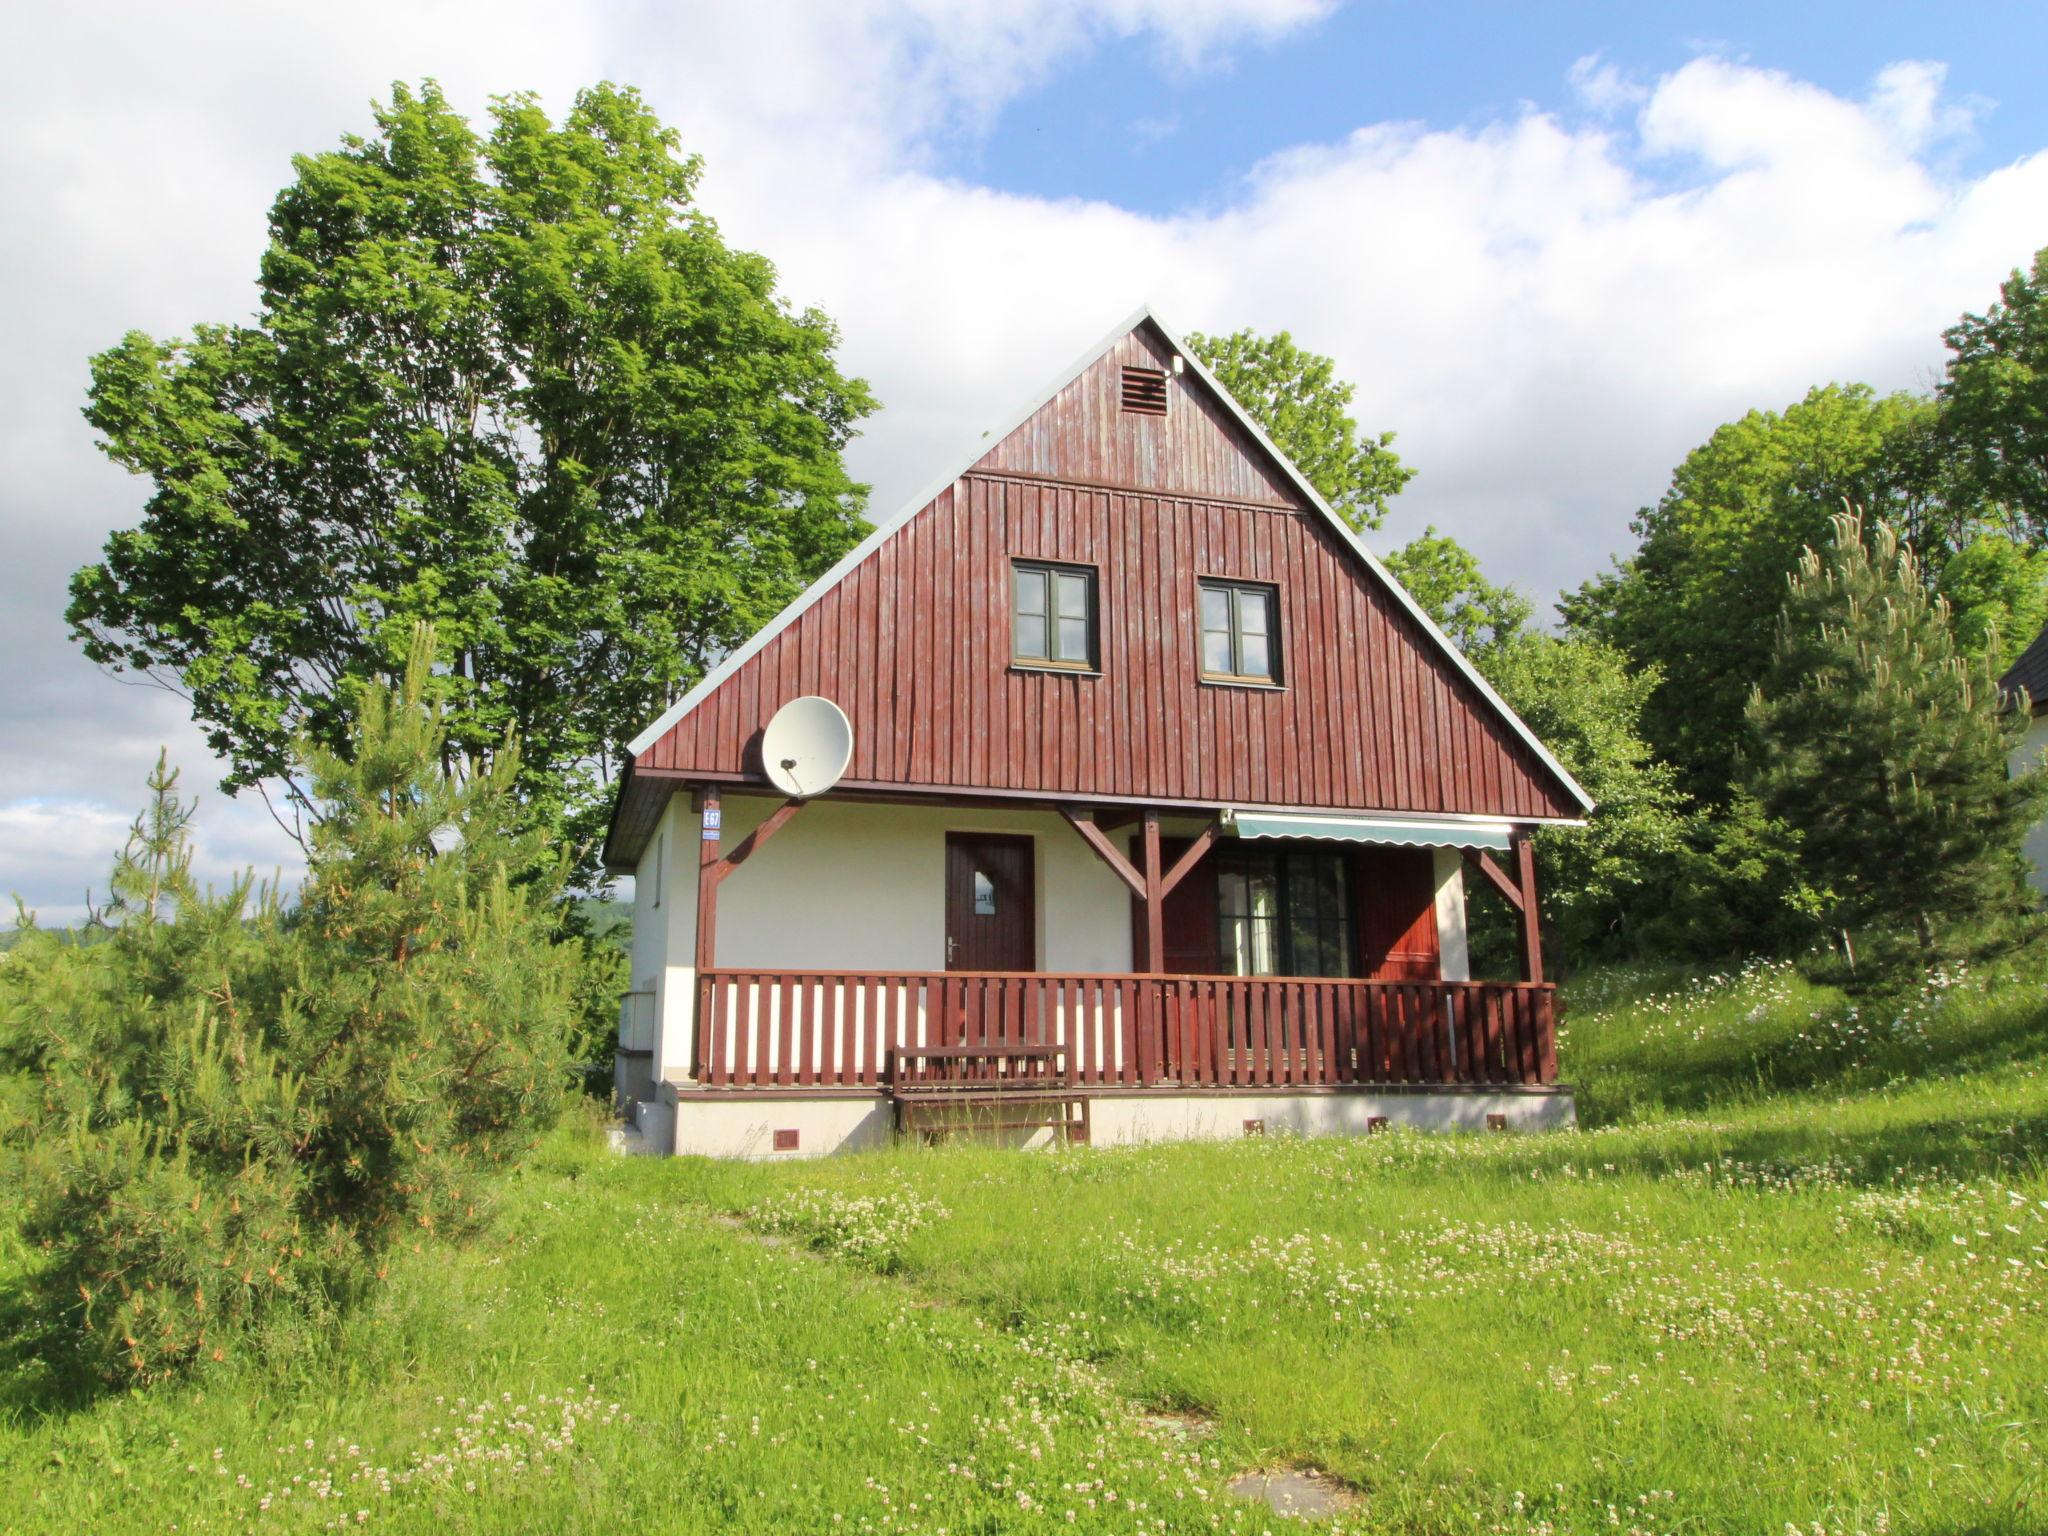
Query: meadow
x=1793 y=1275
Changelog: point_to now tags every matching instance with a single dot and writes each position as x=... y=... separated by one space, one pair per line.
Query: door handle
x=951 y=945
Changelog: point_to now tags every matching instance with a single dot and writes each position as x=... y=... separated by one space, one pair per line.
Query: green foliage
x=1998 y=594
x=1733 y=888
x=1885 y=750
x=1296 y=396
x=1585 y=702
x=236 y=1111
x=1444 y=577
x=1581 y=1319
x=1995 y=400
x=516 y=386
x=1699 y=599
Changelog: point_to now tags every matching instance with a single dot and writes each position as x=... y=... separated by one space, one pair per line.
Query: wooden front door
x=990 y=915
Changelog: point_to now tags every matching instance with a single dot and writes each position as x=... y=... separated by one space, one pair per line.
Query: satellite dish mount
x=806 y=747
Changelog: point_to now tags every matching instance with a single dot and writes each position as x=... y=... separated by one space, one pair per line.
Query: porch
x=1149 y=971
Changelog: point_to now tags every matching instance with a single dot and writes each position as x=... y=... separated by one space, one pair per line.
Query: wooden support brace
x=757 y=839
x=1482 y=863
x=1105 y=850
x=1204 y=841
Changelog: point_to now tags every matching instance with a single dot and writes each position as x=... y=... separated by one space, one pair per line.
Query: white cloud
x=1550 y=311
x=1603 y=86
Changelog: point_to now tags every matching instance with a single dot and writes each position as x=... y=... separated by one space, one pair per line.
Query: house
x=2029 y=675
x=1161 y=805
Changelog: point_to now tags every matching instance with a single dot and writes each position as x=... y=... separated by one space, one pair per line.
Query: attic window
x=1145 y=391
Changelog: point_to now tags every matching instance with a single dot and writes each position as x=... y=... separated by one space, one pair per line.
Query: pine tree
x=238 y=1109
x=1885 y=749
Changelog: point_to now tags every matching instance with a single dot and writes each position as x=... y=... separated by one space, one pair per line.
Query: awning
x=1388 y=831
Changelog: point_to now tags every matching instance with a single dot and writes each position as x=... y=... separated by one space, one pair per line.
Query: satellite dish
x=807 y=746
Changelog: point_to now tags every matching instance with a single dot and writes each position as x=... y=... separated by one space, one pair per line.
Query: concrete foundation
x=744 y=1124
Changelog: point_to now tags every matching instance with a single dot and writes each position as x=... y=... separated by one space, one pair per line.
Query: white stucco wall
x=2026 y=756
x=862 y=886
x=744 y=1127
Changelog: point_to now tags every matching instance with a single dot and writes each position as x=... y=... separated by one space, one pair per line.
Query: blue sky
x=1132 y=125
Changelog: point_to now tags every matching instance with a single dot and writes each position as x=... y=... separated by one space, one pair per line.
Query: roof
x=2031 y=673
x=1299 y=483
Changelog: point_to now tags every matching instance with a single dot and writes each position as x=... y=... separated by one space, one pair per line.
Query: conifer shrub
x=236 y=1110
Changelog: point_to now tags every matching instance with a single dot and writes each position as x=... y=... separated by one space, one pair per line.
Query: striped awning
x=1388 y=831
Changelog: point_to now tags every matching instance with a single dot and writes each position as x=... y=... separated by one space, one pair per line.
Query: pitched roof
x=1293 y=476
x=2031 y=673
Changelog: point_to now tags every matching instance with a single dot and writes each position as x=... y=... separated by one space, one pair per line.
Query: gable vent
x=1145 y=391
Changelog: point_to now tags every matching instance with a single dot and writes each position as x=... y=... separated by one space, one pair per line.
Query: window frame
x=1293 y=874
x=1051 y=571
x=1274 y=676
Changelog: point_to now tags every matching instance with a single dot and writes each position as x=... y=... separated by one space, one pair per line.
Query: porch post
x=709 y=817
x=1155 y=897
x=1531 y=910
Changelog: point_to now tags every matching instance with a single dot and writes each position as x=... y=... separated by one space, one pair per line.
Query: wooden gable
x=912 y=637
x=1195 y=448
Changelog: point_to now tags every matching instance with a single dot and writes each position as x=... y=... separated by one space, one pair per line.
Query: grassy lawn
x=1796 y=1274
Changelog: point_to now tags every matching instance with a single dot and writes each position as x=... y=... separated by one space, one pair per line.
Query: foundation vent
x=1496 y=1122
x=1145 y=391
x=1255 y=1127
x=1374 y=1124
x=785 y=1141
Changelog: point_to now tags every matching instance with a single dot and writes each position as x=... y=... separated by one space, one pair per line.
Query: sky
x=1553 y=246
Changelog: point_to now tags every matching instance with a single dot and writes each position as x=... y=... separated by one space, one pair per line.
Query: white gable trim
x=739 y=657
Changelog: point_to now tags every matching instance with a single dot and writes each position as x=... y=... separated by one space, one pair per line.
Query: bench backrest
x=976 y=1065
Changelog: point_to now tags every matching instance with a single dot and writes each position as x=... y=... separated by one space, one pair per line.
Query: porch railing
x=763 y=1029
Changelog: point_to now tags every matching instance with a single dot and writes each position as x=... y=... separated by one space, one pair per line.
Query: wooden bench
x=1001 y=1088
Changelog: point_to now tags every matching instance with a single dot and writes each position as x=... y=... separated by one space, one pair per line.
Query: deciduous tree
x=1296 y=396
x=516 y=385
x=1995 y=400
x=1699 y=599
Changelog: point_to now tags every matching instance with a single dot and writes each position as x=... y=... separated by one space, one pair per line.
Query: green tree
x=1296 y=396
x=1885 y=749
x=1998 y=593
x=1995 y=401
x=237 y=1110
x=517 y=386
x=1444 y=577
x=1699 y=599
x=1584 y=700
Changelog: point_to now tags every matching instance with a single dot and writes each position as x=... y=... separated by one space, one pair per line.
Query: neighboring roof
x=2031 y=673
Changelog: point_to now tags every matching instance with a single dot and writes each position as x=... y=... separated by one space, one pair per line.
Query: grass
x=1794 y=1273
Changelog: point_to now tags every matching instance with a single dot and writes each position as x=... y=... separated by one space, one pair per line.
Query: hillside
x=1793 y=1273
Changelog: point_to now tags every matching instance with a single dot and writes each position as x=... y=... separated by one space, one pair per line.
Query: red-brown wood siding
x=914 y=642
x=915 y=645
x=1393 y=894
x=1083 y=433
